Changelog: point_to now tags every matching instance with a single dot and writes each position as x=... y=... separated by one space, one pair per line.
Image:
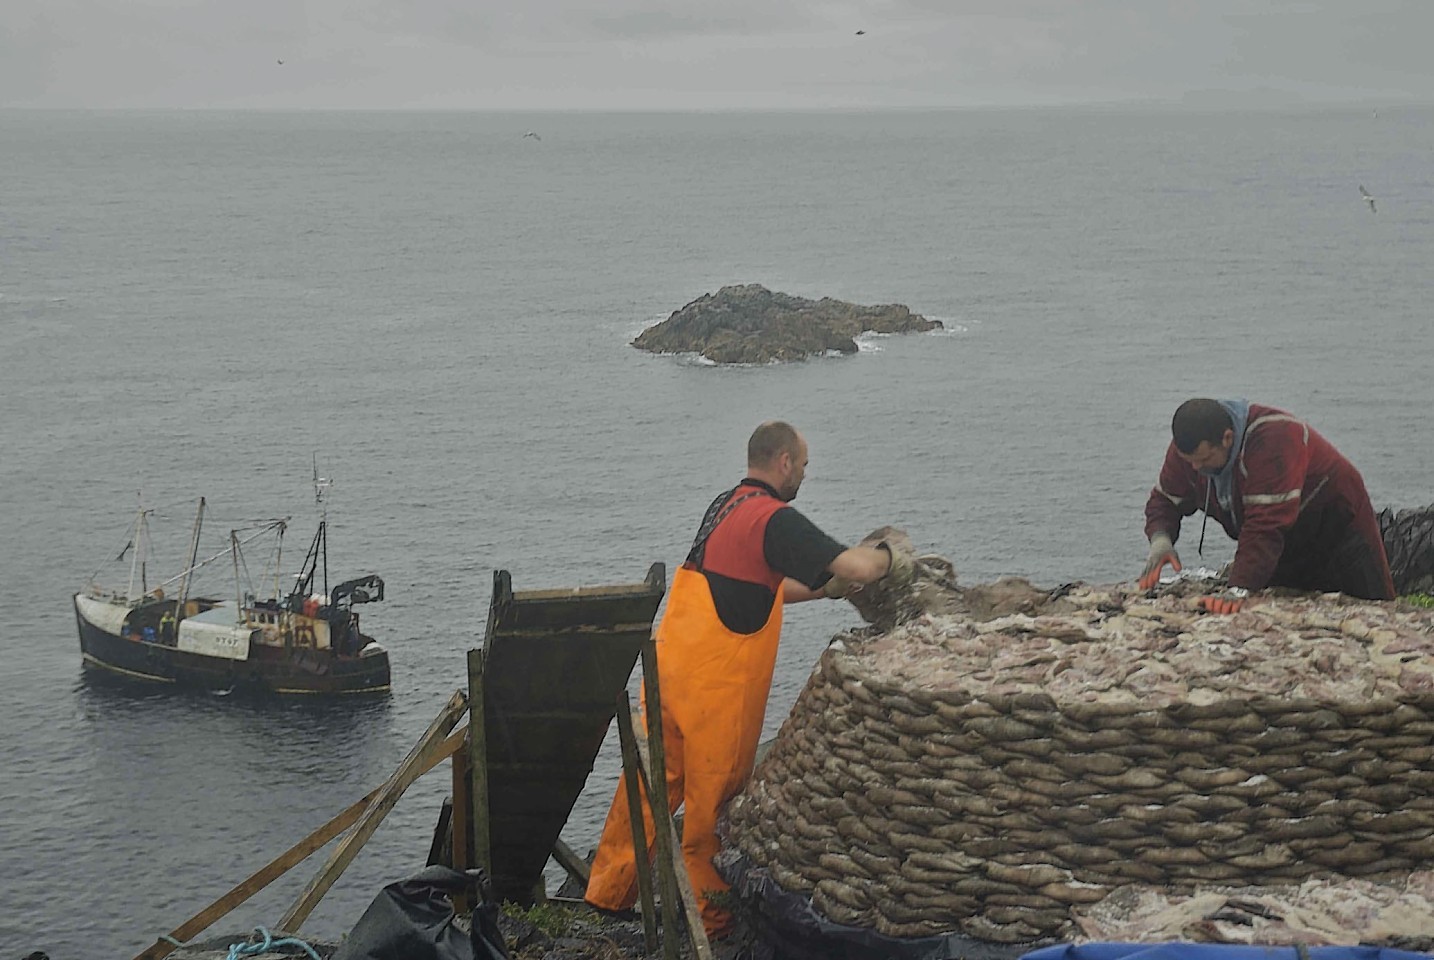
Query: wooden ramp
x=547 y=680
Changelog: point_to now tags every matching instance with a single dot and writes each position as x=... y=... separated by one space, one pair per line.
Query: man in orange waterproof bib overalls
x=716 y=648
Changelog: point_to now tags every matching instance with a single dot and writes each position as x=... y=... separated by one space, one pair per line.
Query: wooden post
x=440 y=848
x=676 y=873
x=281 y=864
x=633 y=773
x=479 y=819
x=655 y=784
x=368 y=822
x=462 y=811
x=657 y=766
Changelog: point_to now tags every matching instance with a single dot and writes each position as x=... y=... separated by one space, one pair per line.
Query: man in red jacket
x=1296 y=507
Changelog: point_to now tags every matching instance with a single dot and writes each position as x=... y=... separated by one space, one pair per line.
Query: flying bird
x=530 y=135
x=281 y=63
x=1367 y=198
x=861 y=33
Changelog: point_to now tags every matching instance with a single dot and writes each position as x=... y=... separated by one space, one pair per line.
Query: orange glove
x=1231 y=601
x=1162 y=551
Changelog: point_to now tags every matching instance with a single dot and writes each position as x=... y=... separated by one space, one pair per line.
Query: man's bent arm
x=794 y=591
x=861 y=564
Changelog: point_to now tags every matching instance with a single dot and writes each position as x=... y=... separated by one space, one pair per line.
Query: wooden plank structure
x=412 y=767
x=543 y=690
x=454 y=745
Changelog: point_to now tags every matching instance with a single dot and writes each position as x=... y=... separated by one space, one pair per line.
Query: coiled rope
x=248 y=948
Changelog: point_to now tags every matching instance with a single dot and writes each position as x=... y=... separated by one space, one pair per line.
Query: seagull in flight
x=1367 y=198
x=861 y=33
x=530 y=135
x=281 y=63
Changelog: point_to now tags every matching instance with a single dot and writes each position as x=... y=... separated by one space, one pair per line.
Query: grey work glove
x=1162 y=551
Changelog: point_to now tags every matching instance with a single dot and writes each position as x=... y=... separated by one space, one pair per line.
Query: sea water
x=438 y=312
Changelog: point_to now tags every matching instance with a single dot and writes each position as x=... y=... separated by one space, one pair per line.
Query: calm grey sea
x=440 y=310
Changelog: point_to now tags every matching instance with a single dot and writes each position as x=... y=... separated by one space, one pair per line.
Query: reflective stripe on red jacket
x=1292 y=491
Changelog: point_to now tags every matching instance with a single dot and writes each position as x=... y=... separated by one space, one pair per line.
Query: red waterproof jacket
x=1297 y=507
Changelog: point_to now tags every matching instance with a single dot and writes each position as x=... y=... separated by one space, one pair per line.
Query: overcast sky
x=703 y=54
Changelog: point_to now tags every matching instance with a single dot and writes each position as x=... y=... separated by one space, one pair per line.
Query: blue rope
x=237 y=950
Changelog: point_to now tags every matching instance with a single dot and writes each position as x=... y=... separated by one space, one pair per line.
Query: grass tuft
x=555 y=920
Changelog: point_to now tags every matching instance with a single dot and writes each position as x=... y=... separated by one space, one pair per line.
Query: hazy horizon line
x=1200 y=100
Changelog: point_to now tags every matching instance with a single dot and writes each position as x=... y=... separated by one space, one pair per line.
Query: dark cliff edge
x=751 y=324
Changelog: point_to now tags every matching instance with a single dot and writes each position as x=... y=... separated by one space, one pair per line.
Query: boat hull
x=267 y=670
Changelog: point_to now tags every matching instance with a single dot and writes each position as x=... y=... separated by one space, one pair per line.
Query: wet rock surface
x=1409 y=543
x=753 y=325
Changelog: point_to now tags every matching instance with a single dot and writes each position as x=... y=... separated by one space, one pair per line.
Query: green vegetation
x=555 y=920
x=1419 y=599
x=724 y=900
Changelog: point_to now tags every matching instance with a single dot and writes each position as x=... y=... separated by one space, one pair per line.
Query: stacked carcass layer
x=986 y=771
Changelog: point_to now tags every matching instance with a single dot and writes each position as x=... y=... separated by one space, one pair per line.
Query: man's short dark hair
x=769 y=441
x=1199 y=420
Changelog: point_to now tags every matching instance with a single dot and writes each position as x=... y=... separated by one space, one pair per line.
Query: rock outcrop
x=992 y=761
x=751 y=324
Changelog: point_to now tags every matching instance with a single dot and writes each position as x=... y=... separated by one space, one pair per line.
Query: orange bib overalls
x=714 y=687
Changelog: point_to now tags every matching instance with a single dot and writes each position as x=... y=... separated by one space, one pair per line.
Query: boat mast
x=321 y=494
x=136 y=562
x=193 y=556
x=279 y=563
x=238 y=587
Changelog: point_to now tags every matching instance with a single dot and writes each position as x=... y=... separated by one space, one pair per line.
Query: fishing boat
x=305 y=639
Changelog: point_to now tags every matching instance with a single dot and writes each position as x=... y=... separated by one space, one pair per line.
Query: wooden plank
x=583 y=593
x=677 y=871
x=462 y=814
x=440 y=849
x=556 y=660
x=555 y=716
x=373 y=815
x=632 y=774
x=657 y=764
x=567 y=858
x=480 y=820
x=539 y=775
x=586 y=632
x=281 y=864
x=668 y=859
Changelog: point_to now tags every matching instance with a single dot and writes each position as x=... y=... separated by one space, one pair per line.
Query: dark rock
x=1409 y=544
x=751 y=324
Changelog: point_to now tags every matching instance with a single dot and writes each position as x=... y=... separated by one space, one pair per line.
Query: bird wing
x=1363 y=192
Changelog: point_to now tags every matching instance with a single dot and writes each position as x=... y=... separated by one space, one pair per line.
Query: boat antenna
x=321 y=488
x=321 y=496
